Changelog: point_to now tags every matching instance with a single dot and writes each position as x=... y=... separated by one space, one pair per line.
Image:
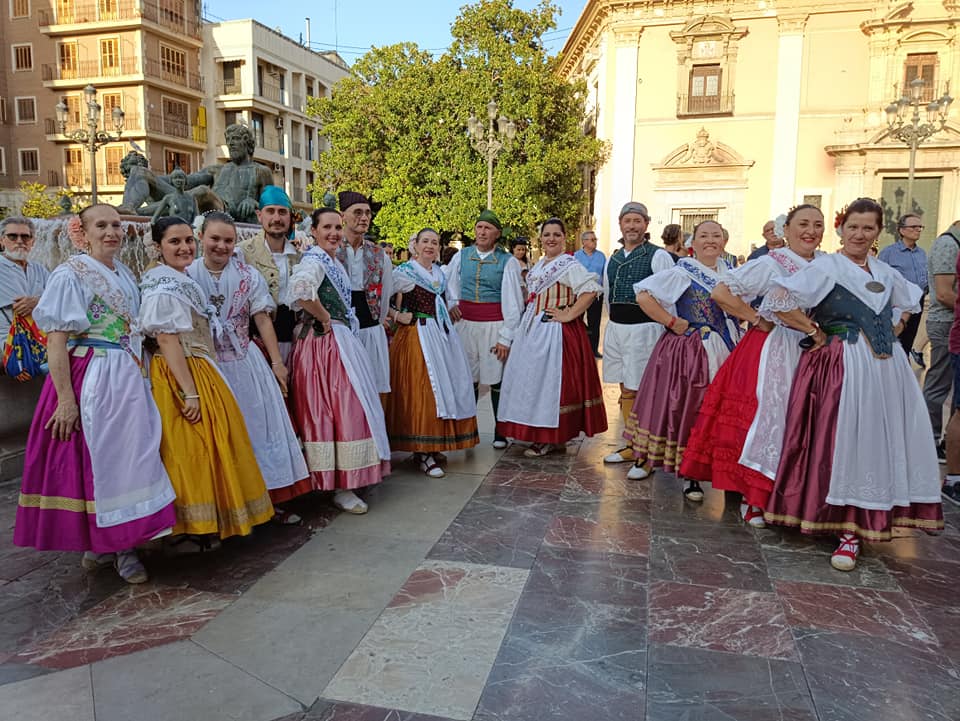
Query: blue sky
x=353 y=26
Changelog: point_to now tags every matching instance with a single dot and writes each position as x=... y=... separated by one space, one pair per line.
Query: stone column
x=619 y=180
x=787 y=118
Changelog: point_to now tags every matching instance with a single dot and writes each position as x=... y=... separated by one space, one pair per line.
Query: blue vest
x=481 y=280
x=623 y=272
x=702 y=312
x=842 y=314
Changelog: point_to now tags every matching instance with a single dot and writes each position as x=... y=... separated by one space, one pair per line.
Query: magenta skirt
x=329 y=418
x=803 y=477
x=56 y=510
x=668 y=400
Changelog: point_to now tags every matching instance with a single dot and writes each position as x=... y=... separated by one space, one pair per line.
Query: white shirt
x=283 y=268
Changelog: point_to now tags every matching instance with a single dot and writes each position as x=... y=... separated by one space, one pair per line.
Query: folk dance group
x=813 y=416
x=192 y=404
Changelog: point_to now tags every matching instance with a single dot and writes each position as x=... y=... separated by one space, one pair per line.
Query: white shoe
x=349 y=502
x=130 y=568
x=92 y=561
x=753 y=515
x=637 y=473
x=429 y=466
x=499 y=443
x=622 y=456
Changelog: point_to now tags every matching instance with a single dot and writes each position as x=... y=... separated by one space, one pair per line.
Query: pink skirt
x=803 y=477
x=56 y=511
x=327 y=414
x=668 y=399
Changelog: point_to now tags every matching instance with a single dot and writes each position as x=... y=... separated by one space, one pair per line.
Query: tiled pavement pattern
x=512 y=590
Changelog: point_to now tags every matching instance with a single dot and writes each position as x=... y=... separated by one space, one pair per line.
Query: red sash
x=481 y=312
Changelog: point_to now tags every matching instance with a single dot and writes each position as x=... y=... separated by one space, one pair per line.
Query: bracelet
x=194 y=397
x=277 y=363
x=672 y=322
x=812 y=333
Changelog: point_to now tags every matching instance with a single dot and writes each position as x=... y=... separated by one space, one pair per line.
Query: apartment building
x=737 y=110
x=262 y=79
x=142 y=56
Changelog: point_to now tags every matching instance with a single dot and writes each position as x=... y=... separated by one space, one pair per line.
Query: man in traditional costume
x=371 y=282
x=273 y=254
x=21 y=281
x=486 y=300
x=631 y=334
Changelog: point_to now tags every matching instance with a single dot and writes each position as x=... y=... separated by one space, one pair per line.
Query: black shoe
x=942 y=451
x=952 y=493
x=917 y=358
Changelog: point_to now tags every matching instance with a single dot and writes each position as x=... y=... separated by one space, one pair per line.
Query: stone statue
x=66 y=205
x=130 y=160
x=233 y=186
x=178 y=203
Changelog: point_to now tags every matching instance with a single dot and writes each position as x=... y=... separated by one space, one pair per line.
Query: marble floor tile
x=11 y=672
x=693 y=684
x=815 y=568
x=605 y=509
x=884 y=614
x=613 y=536
x=133 y=619
x=854 y=677
x=913 y=544
x=499 y=526
x=945 y=623
x=780 y=538
x=931 y=582
x=536 y=480
x=324 y=710
x=706 y=563
x=750 y=623
x=16 y=562
x=182 y=682
x=431 y=649
x=66 y=695
x=605 y=482
x=610 y=578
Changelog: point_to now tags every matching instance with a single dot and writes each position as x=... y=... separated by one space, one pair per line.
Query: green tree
x=397 y=127
x=39 y=202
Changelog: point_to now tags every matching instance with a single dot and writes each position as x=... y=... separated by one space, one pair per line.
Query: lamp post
x=912 y=131
x=489 y=140
x=91 y=137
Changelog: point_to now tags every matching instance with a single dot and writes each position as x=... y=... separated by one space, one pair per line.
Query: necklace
x=861 y=265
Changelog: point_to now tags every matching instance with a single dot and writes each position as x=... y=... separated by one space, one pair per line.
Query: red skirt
x=728 y=409
x=799 y=494
x=668 y=399
x=581 y=395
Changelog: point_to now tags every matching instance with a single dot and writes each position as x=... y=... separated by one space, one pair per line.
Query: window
x=29 y=161
x=3 y=161
x=113 y=155
x=231 y=77
x=22 y=57
x=26 y=110
x=173 y=63
x=232 y=117
x=690 y=219
x=257 y=120
x=110 y=56
x=19 y=8
x=175 y=159
x=171 y=12
x=109 y=101
x=66 y=11
x=108 y=10
x=73 y=103
x=704 y=89
x=176 y=118
x=73 y=167
x=69 y=62
x=923 y=66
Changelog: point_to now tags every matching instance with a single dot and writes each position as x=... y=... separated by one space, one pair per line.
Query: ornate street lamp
x=489 y=140
x=912 y=131
x=90 y=137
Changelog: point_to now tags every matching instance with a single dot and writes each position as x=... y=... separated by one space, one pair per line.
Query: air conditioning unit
x=277 y=167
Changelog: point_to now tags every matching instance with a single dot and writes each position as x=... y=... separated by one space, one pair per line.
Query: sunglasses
x=911 y=227
x=18 y=236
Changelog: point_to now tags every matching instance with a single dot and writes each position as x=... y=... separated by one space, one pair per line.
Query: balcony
x=272 y=92
x=107 y=11
x=695 y=105
x=78 y=176
x=231 y=87
x=296 y=149
x=158 y=70
x=175 y=128
x=297 y=102
x=90 y=70
x=132 y=122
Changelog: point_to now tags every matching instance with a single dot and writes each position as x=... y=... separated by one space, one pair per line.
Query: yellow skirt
x=211 y=463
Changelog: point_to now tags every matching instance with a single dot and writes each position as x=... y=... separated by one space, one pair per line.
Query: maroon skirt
x=668 y=399
x=729 y=406
x=799 y=494
x=581 y=395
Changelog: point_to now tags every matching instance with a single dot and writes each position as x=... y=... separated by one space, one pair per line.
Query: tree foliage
x=397 y=127
x=39 y=202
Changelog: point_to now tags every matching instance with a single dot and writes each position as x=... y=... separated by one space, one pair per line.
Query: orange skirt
x=412 y=423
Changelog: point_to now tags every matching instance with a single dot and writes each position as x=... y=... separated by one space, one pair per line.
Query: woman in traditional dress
x=205 y=445
x=858 y=453
x=736 y=441
x=240 y=294
x=684 y=360
x=93 y=480
x=432 y=407
x=336 y=408
x=551 y=391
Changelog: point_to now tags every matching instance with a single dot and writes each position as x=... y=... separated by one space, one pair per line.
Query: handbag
x=24 y=350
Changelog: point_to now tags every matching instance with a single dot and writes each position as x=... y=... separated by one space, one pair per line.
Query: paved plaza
x=511 y=590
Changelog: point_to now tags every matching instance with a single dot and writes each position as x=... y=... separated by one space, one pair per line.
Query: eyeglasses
x=911 y=227
x=18 y=236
